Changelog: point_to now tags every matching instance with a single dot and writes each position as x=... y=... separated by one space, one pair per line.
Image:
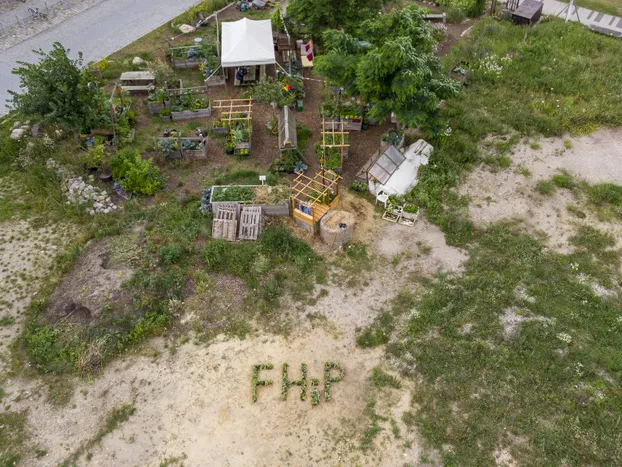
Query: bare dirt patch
x=595 y=158
x=94 y=283
x=510 y=195
x=421 y=247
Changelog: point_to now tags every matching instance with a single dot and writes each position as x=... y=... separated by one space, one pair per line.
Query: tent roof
x=247 y=42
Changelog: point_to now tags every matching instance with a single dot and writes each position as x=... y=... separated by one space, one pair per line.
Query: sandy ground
x=26 y=253
x=508 y=194
x=193 y=402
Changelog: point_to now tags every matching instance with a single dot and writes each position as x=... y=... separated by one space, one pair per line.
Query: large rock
x=137 y=61
x=187 y=29
x=18 y=133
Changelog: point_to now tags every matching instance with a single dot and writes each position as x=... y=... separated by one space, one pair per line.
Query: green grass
x=486 y=388
x=545 y=187
x=564 y=180
x=13 y=437
x=380 y=379
x=531 y=96
x=609 y=7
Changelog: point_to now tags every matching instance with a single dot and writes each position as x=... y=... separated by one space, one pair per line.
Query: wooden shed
x=528 y=13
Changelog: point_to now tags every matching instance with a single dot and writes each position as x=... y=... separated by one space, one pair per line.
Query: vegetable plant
x=134 y=174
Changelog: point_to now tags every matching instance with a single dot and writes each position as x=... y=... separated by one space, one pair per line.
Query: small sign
x=262 y=179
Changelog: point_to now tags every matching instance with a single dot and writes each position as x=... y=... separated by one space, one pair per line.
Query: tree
x=394 y=69
x=319 y=15
x=58 y=89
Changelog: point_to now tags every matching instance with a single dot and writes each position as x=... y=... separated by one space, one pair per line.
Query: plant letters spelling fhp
x=333 y=373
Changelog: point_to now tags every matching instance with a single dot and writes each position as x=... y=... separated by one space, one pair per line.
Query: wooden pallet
x=250 y=223
x=225 y=223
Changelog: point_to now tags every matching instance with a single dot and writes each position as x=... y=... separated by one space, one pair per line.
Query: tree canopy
x=319 y=15
x=57 y=89
x=393 y=68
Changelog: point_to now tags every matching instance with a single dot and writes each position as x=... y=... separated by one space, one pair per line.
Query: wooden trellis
x=313 y=197
x=230 y=108
x=233 y=111
x=334 y=136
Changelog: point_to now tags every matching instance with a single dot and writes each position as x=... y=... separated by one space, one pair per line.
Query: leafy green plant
x=328 y=379
x=255 y=381
x=359 y=186
x=135 y=174
x=411 y=208
x=287 y=383
x=233 y=193
x=95 y=156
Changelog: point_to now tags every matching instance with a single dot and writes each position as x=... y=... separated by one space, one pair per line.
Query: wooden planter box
x=186 y=62
x=155 y=107
x=353 y=124
x=277 y=210
x=193 y=154
x=220 y=130
x=102 y=132
x=240 y=146
x=188 y=114
x=411 y=215
x=349 y=124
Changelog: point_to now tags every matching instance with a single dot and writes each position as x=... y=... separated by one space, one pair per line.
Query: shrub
x=135 y=174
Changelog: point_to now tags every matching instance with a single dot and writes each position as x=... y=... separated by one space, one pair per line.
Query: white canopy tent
x=247 y=43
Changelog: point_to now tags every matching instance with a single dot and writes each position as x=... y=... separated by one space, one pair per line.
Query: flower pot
x=105 y=175
x=299 y=105
x=229 y=151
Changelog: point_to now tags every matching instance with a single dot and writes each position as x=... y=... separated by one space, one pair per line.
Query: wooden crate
x=250 y=223
x=225 y=223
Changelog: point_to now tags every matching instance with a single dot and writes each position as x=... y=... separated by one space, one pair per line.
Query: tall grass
x=550 y=79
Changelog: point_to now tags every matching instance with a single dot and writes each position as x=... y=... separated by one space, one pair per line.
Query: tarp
x=247 y=42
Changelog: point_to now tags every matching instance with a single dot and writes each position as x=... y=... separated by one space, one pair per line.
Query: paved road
x=97 y=32
x=589 y=18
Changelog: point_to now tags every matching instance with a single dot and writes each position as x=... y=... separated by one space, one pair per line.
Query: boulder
x=137 y=61
x=187 y=29
x=18 y=134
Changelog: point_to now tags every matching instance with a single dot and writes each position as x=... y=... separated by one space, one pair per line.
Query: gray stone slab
x=599 y=17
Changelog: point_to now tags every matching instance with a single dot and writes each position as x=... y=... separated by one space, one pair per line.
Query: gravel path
x=97 y=32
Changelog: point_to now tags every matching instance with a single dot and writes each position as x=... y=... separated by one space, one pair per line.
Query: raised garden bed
x=274 y=201
x=349 y=113
x=187 y=114
x=174 y=146
x=194 y=55
x=194 y=148
x=190 y=103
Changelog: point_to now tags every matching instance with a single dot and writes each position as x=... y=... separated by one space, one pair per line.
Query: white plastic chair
x=383 y=197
